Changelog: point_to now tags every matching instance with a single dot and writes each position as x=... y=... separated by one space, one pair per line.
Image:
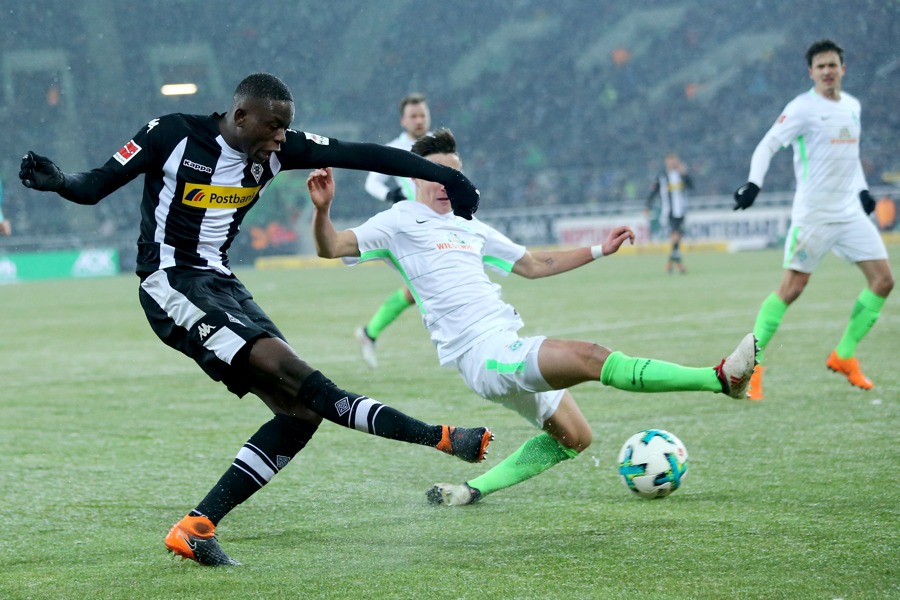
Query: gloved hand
x=394 y=196
x=464 y=196
x=745 y=195
x=868 y=202
x=40 y=173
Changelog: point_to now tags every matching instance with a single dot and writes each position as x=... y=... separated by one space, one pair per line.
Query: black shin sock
x=321 y=395
x=267 y=451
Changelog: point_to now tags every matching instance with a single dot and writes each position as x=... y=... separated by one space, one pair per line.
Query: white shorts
x=854 y=241
x=504 y=369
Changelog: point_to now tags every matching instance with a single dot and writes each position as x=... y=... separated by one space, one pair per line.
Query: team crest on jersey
x=256 y=170
x=318 y=139
x=218 y=196
x=844 y=137
x=454 y=242
x=127 y=152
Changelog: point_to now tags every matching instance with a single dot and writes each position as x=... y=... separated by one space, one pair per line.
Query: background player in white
x=671 y=187
x=829 y=210
x=415 y=119
x=443 y=259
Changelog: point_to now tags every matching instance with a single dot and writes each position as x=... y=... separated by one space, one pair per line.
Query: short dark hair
x=263 y=86
x=821 y=46
x=439 y=142
x=415 y=98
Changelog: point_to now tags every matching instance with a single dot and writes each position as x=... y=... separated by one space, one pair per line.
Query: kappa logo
x=196 y=166
x=342 y=406
x=205 y=330
x=153 y=123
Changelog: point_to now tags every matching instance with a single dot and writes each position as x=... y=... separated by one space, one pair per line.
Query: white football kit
x=826 y=213
x=442 y=259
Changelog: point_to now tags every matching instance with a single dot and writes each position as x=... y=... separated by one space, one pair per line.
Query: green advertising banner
x=96 y=262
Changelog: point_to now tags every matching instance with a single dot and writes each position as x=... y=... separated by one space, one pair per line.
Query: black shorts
x=208 y=316
x=676 y=224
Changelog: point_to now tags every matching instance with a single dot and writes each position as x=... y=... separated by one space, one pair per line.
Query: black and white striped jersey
x=197 y=189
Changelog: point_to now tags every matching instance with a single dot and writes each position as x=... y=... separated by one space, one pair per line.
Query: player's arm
x=544 y=263
x=363 y=156
x=90 y=187
x=330 y=243
x=790 y=124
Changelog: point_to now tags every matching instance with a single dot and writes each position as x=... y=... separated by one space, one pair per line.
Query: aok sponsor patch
x=218 y=196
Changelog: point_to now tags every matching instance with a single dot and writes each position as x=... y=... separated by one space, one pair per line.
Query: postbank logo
x=218 y=196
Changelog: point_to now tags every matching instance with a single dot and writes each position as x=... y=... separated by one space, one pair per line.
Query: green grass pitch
x=107 y=437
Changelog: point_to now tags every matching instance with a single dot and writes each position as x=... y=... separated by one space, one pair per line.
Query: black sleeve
x=308 y=151
x=688 y=182
x=131 y=160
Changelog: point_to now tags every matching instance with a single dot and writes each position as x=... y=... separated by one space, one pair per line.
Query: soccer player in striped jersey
x=671 y=187
x=415 y=118
x=201 y=176
x=442 y=259
x=830 y=208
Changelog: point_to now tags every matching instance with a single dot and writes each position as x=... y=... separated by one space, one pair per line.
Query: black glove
x=40 y=173
x=464 y=196
x=745 y=195
x=868 y=202
x=394 y=196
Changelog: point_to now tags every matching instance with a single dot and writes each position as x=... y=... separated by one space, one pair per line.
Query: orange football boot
x=195 y=538
x=471 y=445
x=850 y=368
x=756 y=390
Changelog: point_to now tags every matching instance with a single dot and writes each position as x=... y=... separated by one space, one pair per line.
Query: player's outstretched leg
x=730 y=377
x=353 y=411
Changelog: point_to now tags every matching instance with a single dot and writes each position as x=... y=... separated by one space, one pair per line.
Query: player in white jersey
x=415 y=119
x=830 y=208
x=443 y=259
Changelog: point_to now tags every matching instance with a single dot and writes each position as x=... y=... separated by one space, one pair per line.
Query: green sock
x=865 y=313
x=767 y=321
x=387 y=313
x=648 y=375
x=532 y=458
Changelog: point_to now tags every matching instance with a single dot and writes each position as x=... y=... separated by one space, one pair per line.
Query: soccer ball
x=653 y=463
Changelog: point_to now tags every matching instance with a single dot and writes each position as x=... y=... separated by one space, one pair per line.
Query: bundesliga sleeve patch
x=127 y=152
x=319 y=139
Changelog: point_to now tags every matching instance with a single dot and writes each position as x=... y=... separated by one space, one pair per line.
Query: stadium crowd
x=570 y=105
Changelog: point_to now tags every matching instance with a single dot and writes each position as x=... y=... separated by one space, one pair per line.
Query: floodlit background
x=565 y=103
